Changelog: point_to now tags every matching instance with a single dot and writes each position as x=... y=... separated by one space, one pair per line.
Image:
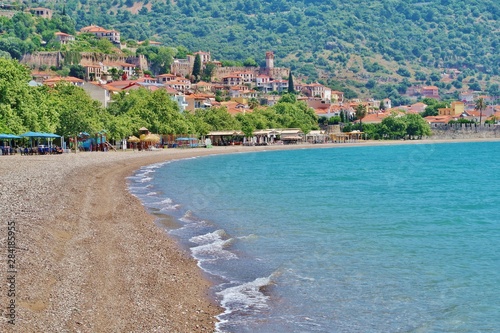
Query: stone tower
x=269 y=60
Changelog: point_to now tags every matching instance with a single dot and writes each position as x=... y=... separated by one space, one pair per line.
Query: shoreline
x=91 y=258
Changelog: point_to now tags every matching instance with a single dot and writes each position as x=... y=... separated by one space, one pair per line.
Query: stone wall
x=56 y=59
x=465 y=131
x=38 y=59
x=276 y=73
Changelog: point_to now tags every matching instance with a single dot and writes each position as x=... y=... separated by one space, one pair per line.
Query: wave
x=189 y=217
x=212 y=246
x=244 y=299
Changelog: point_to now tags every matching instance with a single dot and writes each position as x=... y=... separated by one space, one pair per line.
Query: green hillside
x=357 y=44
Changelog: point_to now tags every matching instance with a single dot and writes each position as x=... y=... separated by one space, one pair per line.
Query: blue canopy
x=9 y=136
x=39 y=135
x=185 y=139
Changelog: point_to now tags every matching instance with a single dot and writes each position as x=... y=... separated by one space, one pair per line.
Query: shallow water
x=362 y=239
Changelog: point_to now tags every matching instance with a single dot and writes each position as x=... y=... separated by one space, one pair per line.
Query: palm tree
x=361 y=113
x=481 y=106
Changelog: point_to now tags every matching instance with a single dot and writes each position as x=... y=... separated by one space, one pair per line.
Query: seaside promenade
x=88 y=258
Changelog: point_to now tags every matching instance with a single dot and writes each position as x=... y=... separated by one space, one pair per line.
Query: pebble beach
x=88 y=257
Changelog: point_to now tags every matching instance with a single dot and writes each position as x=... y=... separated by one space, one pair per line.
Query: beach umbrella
x=150 y=138
x=133 y=139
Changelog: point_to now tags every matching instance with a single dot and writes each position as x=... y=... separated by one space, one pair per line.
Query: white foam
x=248 y=237
x=145 y=179
x=214 y=250
x=188 y=217
x=209 y=238
x=246 y=297
x=150 y=194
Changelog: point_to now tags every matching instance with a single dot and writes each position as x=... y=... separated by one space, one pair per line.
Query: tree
x=291 y=88
x=361 y=113
x=208 y=72
x=77 y=111
x=197 y=68
x=250 y=62
x=395 y=126
x=291 y=113
x=416 y=126
x=381 y=106
x=253 y=103
x=480 y=106
x=16 y=111
x=77 y=71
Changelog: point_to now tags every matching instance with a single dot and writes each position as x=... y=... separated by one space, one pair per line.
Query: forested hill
x=433 y=32
x=384 y=39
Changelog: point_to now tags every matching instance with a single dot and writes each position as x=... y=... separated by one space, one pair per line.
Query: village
x=238 y=89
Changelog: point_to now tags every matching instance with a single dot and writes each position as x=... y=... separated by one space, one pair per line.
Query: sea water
x=402 y=238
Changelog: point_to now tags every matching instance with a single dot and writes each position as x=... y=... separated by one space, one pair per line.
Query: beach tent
x=8 y=137
x=40 y=135
x=187 y=142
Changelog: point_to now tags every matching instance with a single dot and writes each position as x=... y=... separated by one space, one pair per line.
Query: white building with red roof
x=111 y=35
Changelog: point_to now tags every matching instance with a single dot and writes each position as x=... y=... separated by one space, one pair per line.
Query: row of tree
x=67 y=110
x=394 y=127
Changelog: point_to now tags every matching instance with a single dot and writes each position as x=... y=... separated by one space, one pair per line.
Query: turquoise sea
x=402 y=238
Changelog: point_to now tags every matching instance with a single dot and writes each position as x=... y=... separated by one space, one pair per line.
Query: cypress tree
x=291 y=89
x=197 y=68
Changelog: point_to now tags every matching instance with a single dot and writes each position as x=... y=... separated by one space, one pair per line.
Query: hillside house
x=246 y=76
x=203 y=87
x=68 y=79
x=466 y=96
x=64 y=38
x=112 y=35
x=128 y=69
x=430 y=92
x=232 y=80
x=417 y=107
x=337 y=96
x=41 y=12
x=234 y=107
x=198 y=101
x=317 y=90
x=163 y=78
x=242 y=92
x=93 y=72
x=180 y=84
x=262 y=82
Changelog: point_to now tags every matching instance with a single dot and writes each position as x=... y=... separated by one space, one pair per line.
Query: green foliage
x=77 y=111
x=160 y=58
x=360 y=112
x=291 y=88
x=400 y=34
x=197 y=68
x=141 y=107
x=432 y=107
x=294 y=114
